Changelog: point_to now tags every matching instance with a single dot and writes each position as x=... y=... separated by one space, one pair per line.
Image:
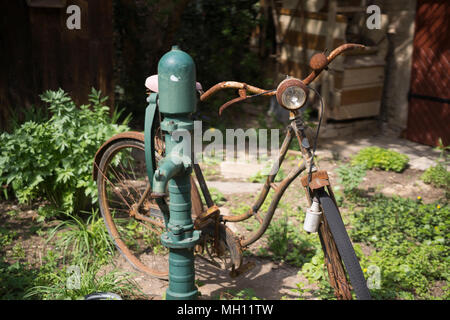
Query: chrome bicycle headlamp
x=292 y=94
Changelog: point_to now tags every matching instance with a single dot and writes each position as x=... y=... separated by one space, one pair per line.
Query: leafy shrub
x=287 y=242
x=410 y=250
x=350 y=176
x=19 y=116
x=217 y=197
x=15 y=279
x=54 y=158
x=211 y=30
x=438 y=176
x=375 y=157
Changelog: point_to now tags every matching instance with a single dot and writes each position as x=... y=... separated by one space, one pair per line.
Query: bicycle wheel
x=134 y=221
x=339 y=252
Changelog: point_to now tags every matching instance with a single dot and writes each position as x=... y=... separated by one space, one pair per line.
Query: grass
x=83 y=240
x=244 y=294
x=74 y=282
x=73 y=264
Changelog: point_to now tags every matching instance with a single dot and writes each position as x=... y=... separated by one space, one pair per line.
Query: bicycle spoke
x=120 y=181
x=114 y=190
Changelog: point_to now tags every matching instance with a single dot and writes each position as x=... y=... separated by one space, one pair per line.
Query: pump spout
x=170 y=166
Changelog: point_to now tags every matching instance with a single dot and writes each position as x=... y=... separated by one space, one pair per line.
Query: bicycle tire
x=344 y=246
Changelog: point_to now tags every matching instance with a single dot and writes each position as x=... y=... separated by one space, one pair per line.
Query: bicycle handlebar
x=233 y=85
x=318 y=63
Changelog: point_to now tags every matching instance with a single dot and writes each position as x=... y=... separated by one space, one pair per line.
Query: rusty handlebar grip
x=323 y=64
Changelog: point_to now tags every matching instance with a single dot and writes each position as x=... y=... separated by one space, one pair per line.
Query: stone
x=235 y=187
x=239 y=170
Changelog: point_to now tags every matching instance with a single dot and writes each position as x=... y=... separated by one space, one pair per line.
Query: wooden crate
x=358 y=88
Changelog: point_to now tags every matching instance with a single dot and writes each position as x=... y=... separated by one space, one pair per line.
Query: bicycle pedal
x=242 y=269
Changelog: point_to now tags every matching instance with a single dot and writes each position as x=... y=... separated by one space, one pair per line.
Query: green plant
x=18 y=251
x=286 y=241
x=217 y=197
x=83 y=240
x=15 y=279
x=63 y=284
x=138 y=237
x=244 y=294
x=375 y=157
x=6 y=237
x=301 y=290
x=22 y=115
x=261 y=175
x=316 y=272
x=12 y=213
x=438 y=176
x=396 y=220
x=350 y=176
x=443 y=151
x=47 y=212
x=54 y=158
x=411 y=245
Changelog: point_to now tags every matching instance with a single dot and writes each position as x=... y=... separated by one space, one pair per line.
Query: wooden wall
x=38 y=53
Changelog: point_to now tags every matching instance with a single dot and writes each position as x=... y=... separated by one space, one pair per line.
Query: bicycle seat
x=152 y=84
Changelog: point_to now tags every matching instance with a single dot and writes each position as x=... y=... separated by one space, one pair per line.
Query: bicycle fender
x=120 y=136
x=344 y=246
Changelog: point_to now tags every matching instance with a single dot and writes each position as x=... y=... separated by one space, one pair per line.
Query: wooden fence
x=39 y=52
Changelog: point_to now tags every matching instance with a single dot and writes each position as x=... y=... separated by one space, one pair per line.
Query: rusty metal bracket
x=203 y=219
x=319 y=180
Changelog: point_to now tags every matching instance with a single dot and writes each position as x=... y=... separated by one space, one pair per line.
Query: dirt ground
x=268 y=279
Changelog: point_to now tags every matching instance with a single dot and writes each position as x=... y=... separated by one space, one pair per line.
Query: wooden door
x=429 y=97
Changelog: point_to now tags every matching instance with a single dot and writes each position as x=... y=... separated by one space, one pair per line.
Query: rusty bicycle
x=126 y=201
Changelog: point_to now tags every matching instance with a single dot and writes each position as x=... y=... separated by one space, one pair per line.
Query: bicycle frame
x=295 y=128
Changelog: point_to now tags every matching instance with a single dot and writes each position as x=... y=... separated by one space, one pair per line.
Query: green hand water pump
x=176 y=100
